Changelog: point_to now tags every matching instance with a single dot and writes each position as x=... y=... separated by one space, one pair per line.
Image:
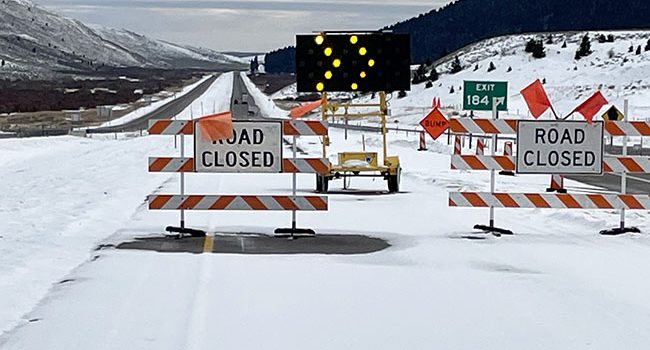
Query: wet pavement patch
x=257 y=244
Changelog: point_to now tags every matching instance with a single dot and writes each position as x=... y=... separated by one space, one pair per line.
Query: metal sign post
x=493 y=176
x=622 y=229
x=182 y=181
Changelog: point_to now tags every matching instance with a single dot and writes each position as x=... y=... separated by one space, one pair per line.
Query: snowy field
x=555 y=284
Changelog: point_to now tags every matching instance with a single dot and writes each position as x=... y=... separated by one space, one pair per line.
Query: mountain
x=463 y=22
x=35 y=43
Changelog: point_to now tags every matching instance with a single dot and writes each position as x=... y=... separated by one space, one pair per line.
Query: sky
x=239 y=25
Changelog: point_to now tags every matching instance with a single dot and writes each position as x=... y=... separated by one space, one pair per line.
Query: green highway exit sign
x=478 y=95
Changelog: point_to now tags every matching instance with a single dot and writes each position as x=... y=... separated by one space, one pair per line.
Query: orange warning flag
x=536 y=98
x=589 y=108
x=215 y=127
x=305 y=108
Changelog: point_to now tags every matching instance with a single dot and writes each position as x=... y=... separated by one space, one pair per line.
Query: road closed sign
x=559 y=147
x=256 y=147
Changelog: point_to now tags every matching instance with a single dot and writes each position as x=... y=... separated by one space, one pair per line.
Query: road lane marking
x=208 y=243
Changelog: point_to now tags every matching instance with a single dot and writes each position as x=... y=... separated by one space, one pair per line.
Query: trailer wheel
x=322 y=183
x=393 y=181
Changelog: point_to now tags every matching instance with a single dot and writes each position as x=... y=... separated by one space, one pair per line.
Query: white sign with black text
x=256 y=147
x=559 y=147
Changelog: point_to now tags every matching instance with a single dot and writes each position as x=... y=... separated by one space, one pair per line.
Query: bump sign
x=256 y=147
x=435 y=123
x=564 y=147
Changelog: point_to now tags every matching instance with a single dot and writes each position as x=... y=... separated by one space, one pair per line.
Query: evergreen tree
x=476 y=67
x=433 y=76
x=491 y=67
x=638 y=50
x=647 y=45
x=630 y=49
x=3 y=63
x=585 y=47
x=602 y=39
x=429 y=84
x=456 y=66
x=538 y=50
x=509 y=69
x=610 y=38
x=451 y=91
x=530 y=45
x=420 y=74
x=564 y=45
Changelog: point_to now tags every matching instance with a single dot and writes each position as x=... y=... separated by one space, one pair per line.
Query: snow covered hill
x=620 y=74
x=37 y=43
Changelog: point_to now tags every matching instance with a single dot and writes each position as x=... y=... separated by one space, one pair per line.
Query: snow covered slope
x=618 y=73
x=36 y=42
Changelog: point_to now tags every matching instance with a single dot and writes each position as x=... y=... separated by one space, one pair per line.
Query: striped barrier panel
x=186 y=127
x=509 y=126
x=171 y=127
x=549 y=200
x=186 y=165
x=483 y=126
x=628 y=128
x=305 y=128
x=611 y=164
x=306 y=165
x=236 y=202
x=171 y=165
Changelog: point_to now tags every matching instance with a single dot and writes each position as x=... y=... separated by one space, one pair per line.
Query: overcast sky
x=244 y=25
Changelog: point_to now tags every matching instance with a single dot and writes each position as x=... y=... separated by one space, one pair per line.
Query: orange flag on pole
x=215 y=127
x=537 y=99
x=589 y=108
x=305 y=108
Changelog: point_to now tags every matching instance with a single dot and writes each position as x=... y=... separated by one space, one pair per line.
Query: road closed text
x=559 y=148
x=254 y=148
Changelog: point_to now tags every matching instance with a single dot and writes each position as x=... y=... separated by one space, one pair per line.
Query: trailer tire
x=322 y=183
x=393 y=181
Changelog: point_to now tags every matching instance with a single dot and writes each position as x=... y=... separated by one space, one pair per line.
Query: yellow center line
x=208 y=243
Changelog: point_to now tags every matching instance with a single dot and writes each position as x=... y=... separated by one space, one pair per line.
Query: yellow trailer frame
x=389 y=169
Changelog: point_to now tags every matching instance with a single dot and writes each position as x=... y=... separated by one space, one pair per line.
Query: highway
x=164 y=112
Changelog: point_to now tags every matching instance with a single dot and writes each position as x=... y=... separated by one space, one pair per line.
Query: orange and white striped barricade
x=237 y=202
x=549 y=200
x=185 y=164
x=458 y=148
x=509 y=127
x=480 y=147
x=423 y=141
x=611 y=164
x=507 y=151
x=557 y=184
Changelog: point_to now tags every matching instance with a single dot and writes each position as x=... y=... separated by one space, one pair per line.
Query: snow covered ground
x=556 y=284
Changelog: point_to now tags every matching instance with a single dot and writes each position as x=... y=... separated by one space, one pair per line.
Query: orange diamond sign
x=435 y=123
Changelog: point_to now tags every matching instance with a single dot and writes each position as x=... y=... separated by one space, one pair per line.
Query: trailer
x=359 y=163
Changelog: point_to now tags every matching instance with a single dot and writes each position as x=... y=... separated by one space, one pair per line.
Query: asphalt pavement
x=256 y=244
x=166 y=111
